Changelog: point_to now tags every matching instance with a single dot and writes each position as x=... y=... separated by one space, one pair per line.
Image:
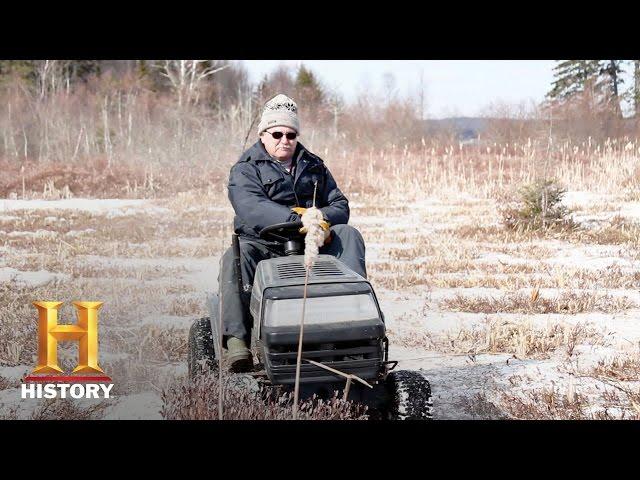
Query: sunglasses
x=278 y=135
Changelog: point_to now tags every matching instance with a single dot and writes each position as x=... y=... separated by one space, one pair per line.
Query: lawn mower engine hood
x=343 y=325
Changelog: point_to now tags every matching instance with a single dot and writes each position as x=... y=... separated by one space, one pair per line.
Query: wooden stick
x=338 y=372
x=220 y=335
x=296 y=390
x=345 y=394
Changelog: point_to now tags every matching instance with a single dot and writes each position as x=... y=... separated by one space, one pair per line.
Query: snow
x=139 y=406
x=573 y=199
x=409 y=313
x=80 y=233
x=110 y=207
x=15 y=372
x=37 y=234
x=493 y=258
x=593 y=257
x=31 y=279
x=202 y=272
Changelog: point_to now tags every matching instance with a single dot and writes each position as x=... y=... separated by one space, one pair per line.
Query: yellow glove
x=299 y=210
x=323 y=224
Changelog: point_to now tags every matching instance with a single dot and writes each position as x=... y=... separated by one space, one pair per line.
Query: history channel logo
x=48 y=380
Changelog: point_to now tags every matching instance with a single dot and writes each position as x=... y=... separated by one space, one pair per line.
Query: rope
x=296 y=390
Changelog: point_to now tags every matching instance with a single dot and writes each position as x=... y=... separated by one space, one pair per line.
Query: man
x=273 y=182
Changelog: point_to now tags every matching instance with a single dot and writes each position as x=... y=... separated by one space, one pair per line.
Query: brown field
x=508 y=324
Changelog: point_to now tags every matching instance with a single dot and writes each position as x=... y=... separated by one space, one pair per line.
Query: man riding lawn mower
x=275 y=187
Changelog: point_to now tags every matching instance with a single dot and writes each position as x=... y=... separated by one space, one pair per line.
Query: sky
x=451 y=87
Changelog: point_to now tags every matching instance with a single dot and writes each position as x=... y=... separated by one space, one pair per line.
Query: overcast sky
x=452 y=87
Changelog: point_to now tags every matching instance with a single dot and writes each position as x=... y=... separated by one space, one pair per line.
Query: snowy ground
x=491 y=316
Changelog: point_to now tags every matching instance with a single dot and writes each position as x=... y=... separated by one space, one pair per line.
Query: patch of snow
x=110 y=207
x=37 y=234
x=573 y=199
x=31 y=279
x=139 y=406
x=80 y=233
x=593 y=257
x=493 y=258
x=15 y=372
x=631 y=210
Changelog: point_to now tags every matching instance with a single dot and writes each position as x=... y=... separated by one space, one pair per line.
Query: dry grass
x=97 y=178
x=557 y=403
x=59 y=409
x=619 y=231
x=148 y=343
x=570 y=278
x=65 y=409
x=131 y=375
x=520 y=338
x=569 y=303
x=444 y=251
x=623 y=368
x=6 y=383
x=543 y=404
x=125 y=304
x=199 y=401
x=187 y=305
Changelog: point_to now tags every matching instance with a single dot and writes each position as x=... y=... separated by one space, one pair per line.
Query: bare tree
x=636 y=88
x=420 y=95
x=48 y=76
x=335 y=104
x=389 y=86
x=186 y=77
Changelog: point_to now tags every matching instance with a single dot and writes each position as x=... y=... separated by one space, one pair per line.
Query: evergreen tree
x=308 y=90
x=635 y=92
x=608 y=85
x=573 y=77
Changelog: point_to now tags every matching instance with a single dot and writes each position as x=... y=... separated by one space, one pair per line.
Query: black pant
x=347 y=244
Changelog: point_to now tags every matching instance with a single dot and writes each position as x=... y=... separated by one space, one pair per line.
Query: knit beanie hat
x=280 y=111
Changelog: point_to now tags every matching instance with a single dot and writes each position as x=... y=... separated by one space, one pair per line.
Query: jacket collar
x=258 y=152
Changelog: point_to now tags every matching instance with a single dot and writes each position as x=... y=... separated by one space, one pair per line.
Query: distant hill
x=465 y=128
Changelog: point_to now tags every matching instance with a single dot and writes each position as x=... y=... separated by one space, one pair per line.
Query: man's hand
x=323 y=224
x=325 y=228
x=299 y=210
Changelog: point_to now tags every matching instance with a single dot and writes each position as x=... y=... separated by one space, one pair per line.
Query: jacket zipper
x=283 y=170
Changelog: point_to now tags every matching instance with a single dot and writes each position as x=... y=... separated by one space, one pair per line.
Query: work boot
x=239 y=355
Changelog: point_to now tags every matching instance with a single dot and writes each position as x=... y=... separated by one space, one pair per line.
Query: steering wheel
x=282 y=232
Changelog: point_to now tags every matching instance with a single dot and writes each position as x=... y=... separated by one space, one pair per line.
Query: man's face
x=281 y=148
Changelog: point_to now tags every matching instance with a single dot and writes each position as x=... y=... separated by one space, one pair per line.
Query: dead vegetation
x=558 y=403
x=148 y=343
x=570 y=303
x=520 y=338
x=457 y=243
x=66 y=409
x=6 y=383
x=618 y=231
x=199 y=400
x=99 y=178
x=621 y=368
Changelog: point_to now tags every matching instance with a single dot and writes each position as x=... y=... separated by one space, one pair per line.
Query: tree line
x=596 y=85
x=70 y=108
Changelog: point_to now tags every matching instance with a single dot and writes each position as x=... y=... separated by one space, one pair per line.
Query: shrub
x=537 y=206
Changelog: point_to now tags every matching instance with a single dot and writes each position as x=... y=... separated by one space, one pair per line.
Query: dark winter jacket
x=262 y=192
